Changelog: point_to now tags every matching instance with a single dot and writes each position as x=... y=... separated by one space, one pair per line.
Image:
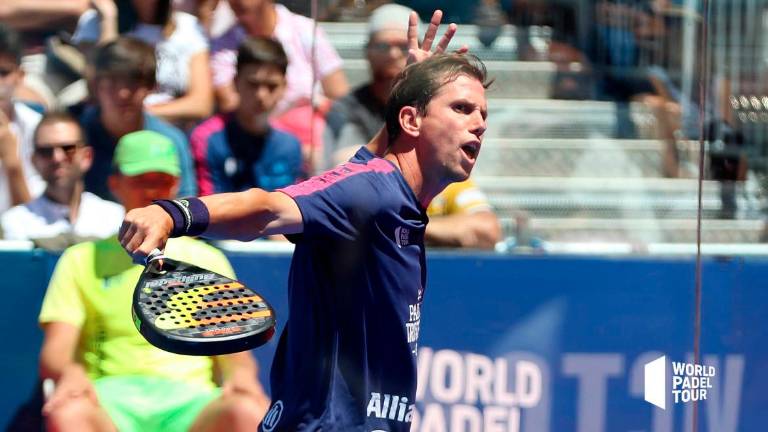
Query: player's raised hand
x=418 y=53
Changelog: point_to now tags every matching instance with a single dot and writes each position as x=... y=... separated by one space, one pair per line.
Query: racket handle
x=49 y=386
x=155 y=255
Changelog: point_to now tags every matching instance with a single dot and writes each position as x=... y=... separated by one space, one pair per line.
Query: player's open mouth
x=471 y=150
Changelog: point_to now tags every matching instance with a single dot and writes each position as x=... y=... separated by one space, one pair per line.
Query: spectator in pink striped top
x=294 y=112
x=266 y=19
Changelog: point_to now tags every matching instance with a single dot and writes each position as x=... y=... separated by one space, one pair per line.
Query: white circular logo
x=272 y=417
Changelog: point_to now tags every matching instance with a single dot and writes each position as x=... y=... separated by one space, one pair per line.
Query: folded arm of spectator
x=11 y=160
x=335 y=84
x=57 y=354
x=478 y=230
x=197 y=102
x=227 y=98
x=107 y=10
x=29 y=15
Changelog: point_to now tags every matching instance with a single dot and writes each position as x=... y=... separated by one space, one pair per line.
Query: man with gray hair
x=354 y=119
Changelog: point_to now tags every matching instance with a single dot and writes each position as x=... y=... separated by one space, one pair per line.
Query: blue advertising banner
x=530 y=343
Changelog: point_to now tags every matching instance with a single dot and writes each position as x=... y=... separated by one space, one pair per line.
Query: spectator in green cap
x=107 y=376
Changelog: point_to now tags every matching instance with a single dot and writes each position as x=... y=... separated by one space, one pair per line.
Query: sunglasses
x=384 y=47
x=69 y=150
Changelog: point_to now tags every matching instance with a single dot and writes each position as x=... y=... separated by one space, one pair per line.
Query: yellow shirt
x=92 y=288
x=462 y=197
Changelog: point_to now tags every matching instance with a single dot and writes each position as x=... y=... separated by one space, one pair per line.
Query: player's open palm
x=416 y=52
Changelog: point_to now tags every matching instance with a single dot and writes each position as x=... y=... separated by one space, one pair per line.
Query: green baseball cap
x=146 y=151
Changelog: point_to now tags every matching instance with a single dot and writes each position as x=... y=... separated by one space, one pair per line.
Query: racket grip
x=153 y=256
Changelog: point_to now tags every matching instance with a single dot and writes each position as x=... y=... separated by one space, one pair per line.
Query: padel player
x=346 y=360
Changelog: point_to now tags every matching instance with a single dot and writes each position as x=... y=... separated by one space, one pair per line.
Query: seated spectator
x=239 y=151
x=107 y=377
x=37 y=21
x=64 y=214
x=184 y=90
x=19 y=181
x=460 y=216
x=122 y=74
x=266 y=19
x=294 y=113
x=356 y=118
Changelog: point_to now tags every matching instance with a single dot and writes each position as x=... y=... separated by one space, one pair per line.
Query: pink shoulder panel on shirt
x=336 y=175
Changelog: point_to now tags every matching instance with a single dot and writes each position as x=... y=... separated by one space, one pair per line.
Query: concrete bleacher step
x=615 y=198
x=567 y=119
x=349 y=39
x=512 y=79
x=595 y=157
x=640 y=230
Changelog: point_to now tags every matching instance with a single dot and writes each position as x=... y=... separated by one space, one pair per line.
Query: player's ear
x=410 y=121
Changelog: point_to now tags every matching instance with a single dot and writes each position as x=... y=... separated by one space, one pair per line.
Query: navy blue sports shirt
x=346 y=360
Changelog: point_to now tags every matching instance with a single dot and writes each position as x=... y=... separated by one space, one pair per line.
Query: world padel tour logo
x=690 y=382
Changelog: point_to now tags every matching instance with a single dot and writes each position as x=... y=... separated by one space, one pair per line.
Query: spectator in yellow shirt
x=462 y=217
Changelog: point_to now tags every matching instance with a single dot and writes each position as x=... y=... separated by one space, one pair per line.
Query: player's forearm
x=245 y=215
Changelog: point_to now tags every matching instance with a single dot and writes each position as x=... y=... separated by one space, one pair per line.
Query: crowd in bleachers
x=245 y=90
x=107 y=105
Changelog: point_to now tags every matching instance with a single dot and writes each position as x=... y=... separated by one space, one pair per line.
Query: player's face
x=60 y=156
x=140 y=190
x=260 y=89
x=451 y=132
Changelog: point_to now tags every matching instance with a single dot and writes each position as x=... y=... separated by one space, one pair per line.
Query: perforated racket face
x=189 y=310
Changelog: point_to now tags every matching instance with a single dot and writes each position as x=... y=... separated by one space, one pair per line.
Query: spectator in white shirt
x=64 y=211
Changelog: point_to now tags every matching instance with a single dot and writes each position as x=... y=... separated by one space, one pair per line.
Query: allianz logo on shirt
x=388 y=406
x=402 y=236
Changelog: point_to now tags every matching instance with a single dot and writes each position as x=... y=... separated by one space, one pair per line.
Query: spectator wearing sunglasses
x=64 y=214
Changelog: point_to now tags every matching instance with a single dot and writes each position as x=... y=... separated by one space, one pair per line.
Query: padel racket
x=184 y=309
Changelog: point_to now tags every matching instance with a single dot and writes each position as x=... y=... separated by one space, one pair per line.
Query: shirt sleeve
x=88 y=27
x=467 y=198
x=337 y=203
x=63 y=301
x=193 y=33
x=327 y=59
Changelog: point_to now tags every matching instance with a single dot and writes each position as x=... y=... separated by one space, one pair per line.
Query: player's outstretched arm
x=241 y=216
